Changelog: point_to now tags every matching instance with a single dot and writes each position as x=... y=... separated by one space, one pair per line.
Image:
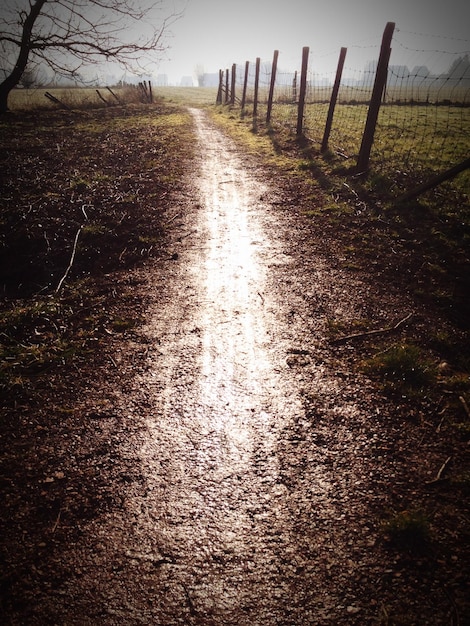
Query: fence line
x=417 y=126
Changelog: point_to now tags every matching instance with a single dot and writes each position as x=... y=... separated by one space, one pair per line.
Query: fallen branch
x=59 y=286
x=54 y=528
x=172 y=219
x=440 y=473
x=113 y=94
x=368 y=333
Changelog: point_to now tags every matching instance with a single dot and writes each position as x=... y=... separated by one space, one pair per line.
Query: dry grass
x=87 y=97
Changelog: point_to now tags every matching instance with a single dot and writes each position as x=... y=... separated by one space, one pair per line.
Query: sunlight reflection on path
x=236 y=373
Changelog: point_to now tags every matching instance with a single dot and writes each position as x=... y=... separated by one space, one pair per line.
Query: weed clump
x=402 y=367
x=408 y=530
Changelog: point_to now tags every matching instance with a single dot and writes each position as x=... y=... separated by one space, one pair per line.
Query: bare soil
x=215 y=452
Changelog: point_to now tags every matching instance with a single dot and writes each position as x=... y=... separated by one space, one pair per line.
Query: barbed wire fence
x=422 y=126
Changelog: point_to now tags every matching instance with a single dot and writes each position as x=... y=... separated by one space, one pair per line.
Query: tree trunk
x=14 y=78
x=4 y=93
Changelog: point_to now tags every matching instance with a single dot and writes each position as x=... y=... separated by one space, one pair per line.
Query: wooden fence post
x=232 y=88
x=303 y=89
x=255 y=97
x=221 y=87
x=245 y=84
x=226 y=87
x=101 y=97
x=436 y=180
x=376 y=99
x=271 y=87
x=334 y=97
x=52 y=98
x=294 y=87
x=113 y=94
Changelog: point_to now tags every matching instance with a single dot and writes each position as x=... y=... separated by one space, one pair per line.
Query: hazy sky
x=217 y=33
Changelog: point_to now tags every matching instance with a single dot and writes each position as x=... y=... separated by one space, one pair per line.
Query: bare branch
x=68 y=35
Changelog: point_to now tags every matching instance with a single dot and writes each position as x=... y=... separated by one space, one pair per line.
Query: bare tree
x=68 y=35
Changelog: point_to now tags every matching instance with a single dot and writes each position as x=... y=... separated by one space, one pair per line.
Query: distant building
x=186 y=81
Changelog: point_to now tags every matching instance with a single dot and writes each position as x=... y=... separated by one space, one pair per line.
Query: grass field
x=412 y=143
x=82 y=98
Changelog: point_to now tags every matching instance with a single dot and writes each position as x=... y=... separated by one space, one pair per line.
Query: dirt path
x=253 y=465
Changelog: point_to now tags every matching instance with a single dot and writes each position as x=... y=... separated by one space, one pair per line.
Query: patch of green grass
x=458 y=382
x=408 y=140
x=93 y=230
x=80 y=184
x=33 y=338
x=408 y=530
x=258 y=141
x=338 y=208
x=306 y=165
x=337 y=328
x=192 y=96
x=121 y=325
x=402 y=366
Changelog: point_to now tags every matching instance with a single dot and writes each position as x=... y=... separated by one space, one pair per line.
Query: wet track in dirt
x=254 y=461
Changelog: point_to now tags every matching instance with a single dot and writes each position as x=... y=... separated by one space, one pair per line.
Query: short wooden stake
x=113 y=94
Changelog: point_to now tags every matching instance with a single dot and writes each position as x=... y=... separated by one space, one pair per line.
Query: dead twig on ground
x=56 y=522
x=368 y=333
x=440 y=473
x=172 y=219
x=61 y=282
x=465 y=405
